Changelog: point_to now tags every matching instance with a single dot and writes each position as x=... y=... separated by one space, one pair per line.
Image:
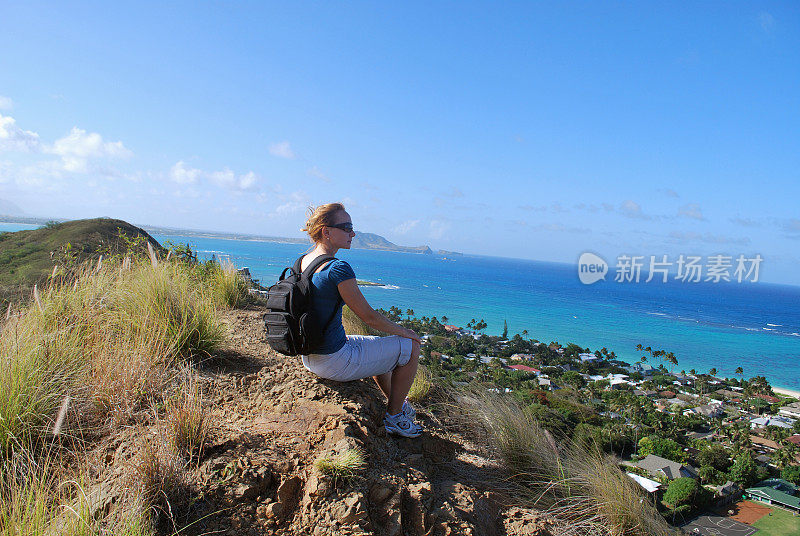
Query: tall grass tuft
x=161 y=478
x=575 y=483
x=342 y=466
x=422 y=385
x=187 y=426
x=109 y=339
x=229 y=287
x=34 y=502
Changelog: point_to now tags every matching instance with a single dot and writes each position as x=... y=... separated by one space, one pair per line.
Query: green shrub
x=681 y=491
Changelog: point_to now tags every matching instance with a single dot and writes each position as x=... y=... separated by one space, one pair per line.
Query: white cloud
x=282 y=150
x=182 y=175
x=226 y=178
x=686 y=237
x=766 y=21
x=13 y=138
x=632 y=209
x=406 y=226
x=315 y=172
x=438 y=228
x=745 y=222
x=669 y=192
x=78 y=147
x=6 y=103
x=692 y=211
x=248 y=181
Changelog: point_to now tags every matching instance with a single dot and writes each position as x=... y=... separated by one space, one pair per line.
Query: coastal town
x=710 y=452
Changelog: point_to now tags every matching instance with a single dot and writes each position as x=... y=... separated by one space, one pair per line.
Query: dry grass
x=355 y=326
x=160 y=478
x=108 y=339
x=577 y=484
x=186 y=423
x=342 y=466
x=34 y=501
x=423 y=383
x=230 y=288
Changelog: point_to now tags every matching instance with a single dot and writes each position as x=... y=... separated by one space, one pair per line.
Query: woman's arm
x=356 y=301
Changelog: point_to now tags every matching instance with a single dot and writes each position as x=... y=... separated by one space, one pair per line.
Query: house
x=452 y=329
x=588 y=357
x=645 y=369
x=524 y=368
x=649 y=393
x=658 y=466
x=726 y=493
x=795 y=439
x=701 y=435
x=763 y=444
x=650 y=486
x=733 y=396
x=768 y=398
x=790 y=410
x=546 y=384
x=711 y=411
x=775 y=491
x=487 y=359
x=763 y=422
x=666 y=394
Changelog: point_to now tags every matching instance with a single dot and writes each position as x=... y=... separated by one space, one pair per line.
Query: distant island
x=361 y=240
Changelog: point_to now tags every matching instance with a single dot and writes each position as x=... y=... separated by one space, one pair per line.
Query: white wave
x=775 y=325
x=389 y=287
x=768 y=329
x=658 y=314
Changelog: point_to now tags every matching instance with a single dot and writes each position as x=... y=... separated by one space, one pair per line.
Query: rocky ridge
x=272 y=419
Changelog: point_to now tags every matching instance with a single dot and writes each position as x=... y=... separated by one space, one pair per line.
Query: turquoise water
x=755 y=326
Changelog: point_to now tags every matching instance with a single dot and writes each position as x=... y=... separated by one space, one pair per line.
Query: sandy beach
x=787 y=392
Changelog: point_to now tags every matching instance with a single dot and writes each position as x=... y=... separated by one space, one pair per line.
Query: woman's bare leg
x=402 y=378
x=384 y=381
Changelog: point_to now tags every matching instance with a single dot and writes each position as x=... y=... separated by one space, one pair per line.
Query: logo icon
x=591 y=268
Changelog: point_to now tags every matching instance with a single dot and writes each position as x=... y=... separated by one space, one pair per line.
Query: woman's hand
x=411 y=334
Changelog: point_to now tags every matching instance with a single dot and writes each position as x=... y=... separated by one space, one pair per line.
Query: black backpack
x=290 y=325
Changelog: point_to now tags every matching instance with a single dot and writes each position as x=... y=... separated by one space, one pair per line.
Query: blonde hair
x=319 y=217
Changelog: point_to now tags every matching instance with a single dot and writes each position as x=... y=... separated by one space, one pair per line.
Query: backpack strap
x=309 y=272
x=311 y=268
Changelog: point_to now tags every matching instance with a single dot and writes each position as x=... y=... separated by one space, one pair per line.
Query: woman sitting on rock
x=392 y=361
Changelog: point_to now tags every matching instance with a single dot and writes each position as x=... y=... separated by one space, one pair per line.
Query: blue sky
x=530 y=130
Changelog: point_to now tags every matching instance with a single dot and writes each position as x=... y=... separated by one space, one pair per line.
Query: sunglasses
x=347 y=227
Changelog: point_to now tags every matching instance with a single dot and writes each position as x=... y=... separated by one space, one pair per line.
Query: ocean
x=755 y=326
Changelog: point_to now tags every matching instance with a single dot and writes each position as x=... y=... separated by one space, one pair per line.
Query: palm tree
x=672 y=360
x=740 y=372
x=444 y=320
x=713 y=371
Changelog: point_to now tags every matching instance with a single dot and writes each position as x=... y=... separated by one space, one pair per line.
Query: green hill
x=373 y=241
x=28 y=257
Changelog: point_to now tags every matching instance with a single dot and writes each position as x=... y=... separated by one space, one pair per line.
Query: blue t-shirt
x=326 y=297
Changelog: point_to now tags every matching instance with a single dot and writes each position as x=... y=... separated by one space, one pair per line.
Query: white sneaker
x=401 y=425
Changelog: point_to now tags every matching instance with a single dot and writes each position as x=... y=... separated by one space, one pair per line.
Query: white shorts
x=361 y=357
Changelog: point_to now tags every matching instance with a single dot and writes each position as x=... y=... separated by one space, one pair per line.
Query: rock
x=379 y=493
x=416 y=503
x=354 y=510
x=246 y=491
x=273 y=510
x=288 y=489
x=527 y=522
